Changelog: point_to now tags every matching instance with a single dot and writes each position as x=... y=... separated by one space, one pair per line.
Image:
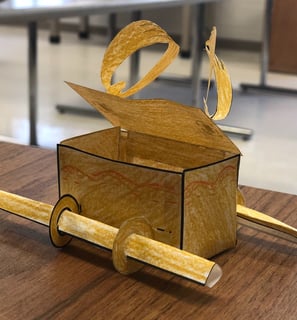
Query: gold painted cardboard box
x=162 y=160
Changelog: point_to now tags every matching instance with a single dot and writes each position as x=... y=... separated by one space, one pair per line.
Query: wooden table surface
x=38 y=281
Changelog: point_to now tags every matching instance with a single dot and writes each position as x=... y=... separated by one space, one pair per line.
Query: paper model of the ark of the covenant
x=161 y=185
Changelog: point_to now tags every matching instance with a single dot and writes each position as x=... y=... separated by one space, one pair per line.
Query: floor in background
x=269 y=158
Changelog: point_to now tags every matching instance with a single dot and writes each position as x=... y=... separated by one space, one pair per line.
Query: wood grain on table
x=38 y=281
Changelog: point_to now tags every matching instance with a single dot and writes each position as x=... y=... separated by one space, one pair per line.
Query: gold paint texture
x=222 y=78
x=24 y=207
x=142 y=248
x=165 y=161
x=136 y=35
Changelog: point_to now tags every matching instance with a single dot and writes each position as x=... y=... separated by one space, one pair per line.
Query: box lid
x=158 y=117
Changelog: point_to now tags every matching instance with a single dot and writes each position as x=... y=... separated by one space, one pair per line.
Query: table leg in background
x=32 y=81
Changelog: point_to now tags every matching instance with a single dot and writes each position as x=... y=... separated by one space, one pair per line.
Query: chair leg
x=84 y=29
x=54 y=36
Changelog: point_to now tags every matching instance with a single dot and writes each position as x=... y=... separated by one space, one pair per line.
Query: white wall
x=238 y=19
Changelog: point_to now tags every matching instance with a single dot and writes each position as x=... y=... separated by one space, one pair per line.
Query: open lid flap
x=158 y=117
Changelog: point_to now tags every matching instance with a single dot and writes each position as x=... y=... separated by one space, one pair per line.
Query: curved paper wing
x=222 y=78
x=135 y=36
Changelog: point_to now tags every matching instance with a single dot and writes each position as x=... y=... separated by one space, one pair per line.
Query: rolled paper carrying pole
x=262 y=222
x=64 y=221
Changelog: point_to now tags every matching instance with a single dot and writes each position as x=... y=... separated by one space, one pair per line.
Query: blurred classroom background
x=269 y=156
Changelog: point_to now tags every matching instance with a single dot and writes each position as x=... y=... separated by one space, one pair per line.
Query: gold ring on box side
x=58 y=238
x=137 y=225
